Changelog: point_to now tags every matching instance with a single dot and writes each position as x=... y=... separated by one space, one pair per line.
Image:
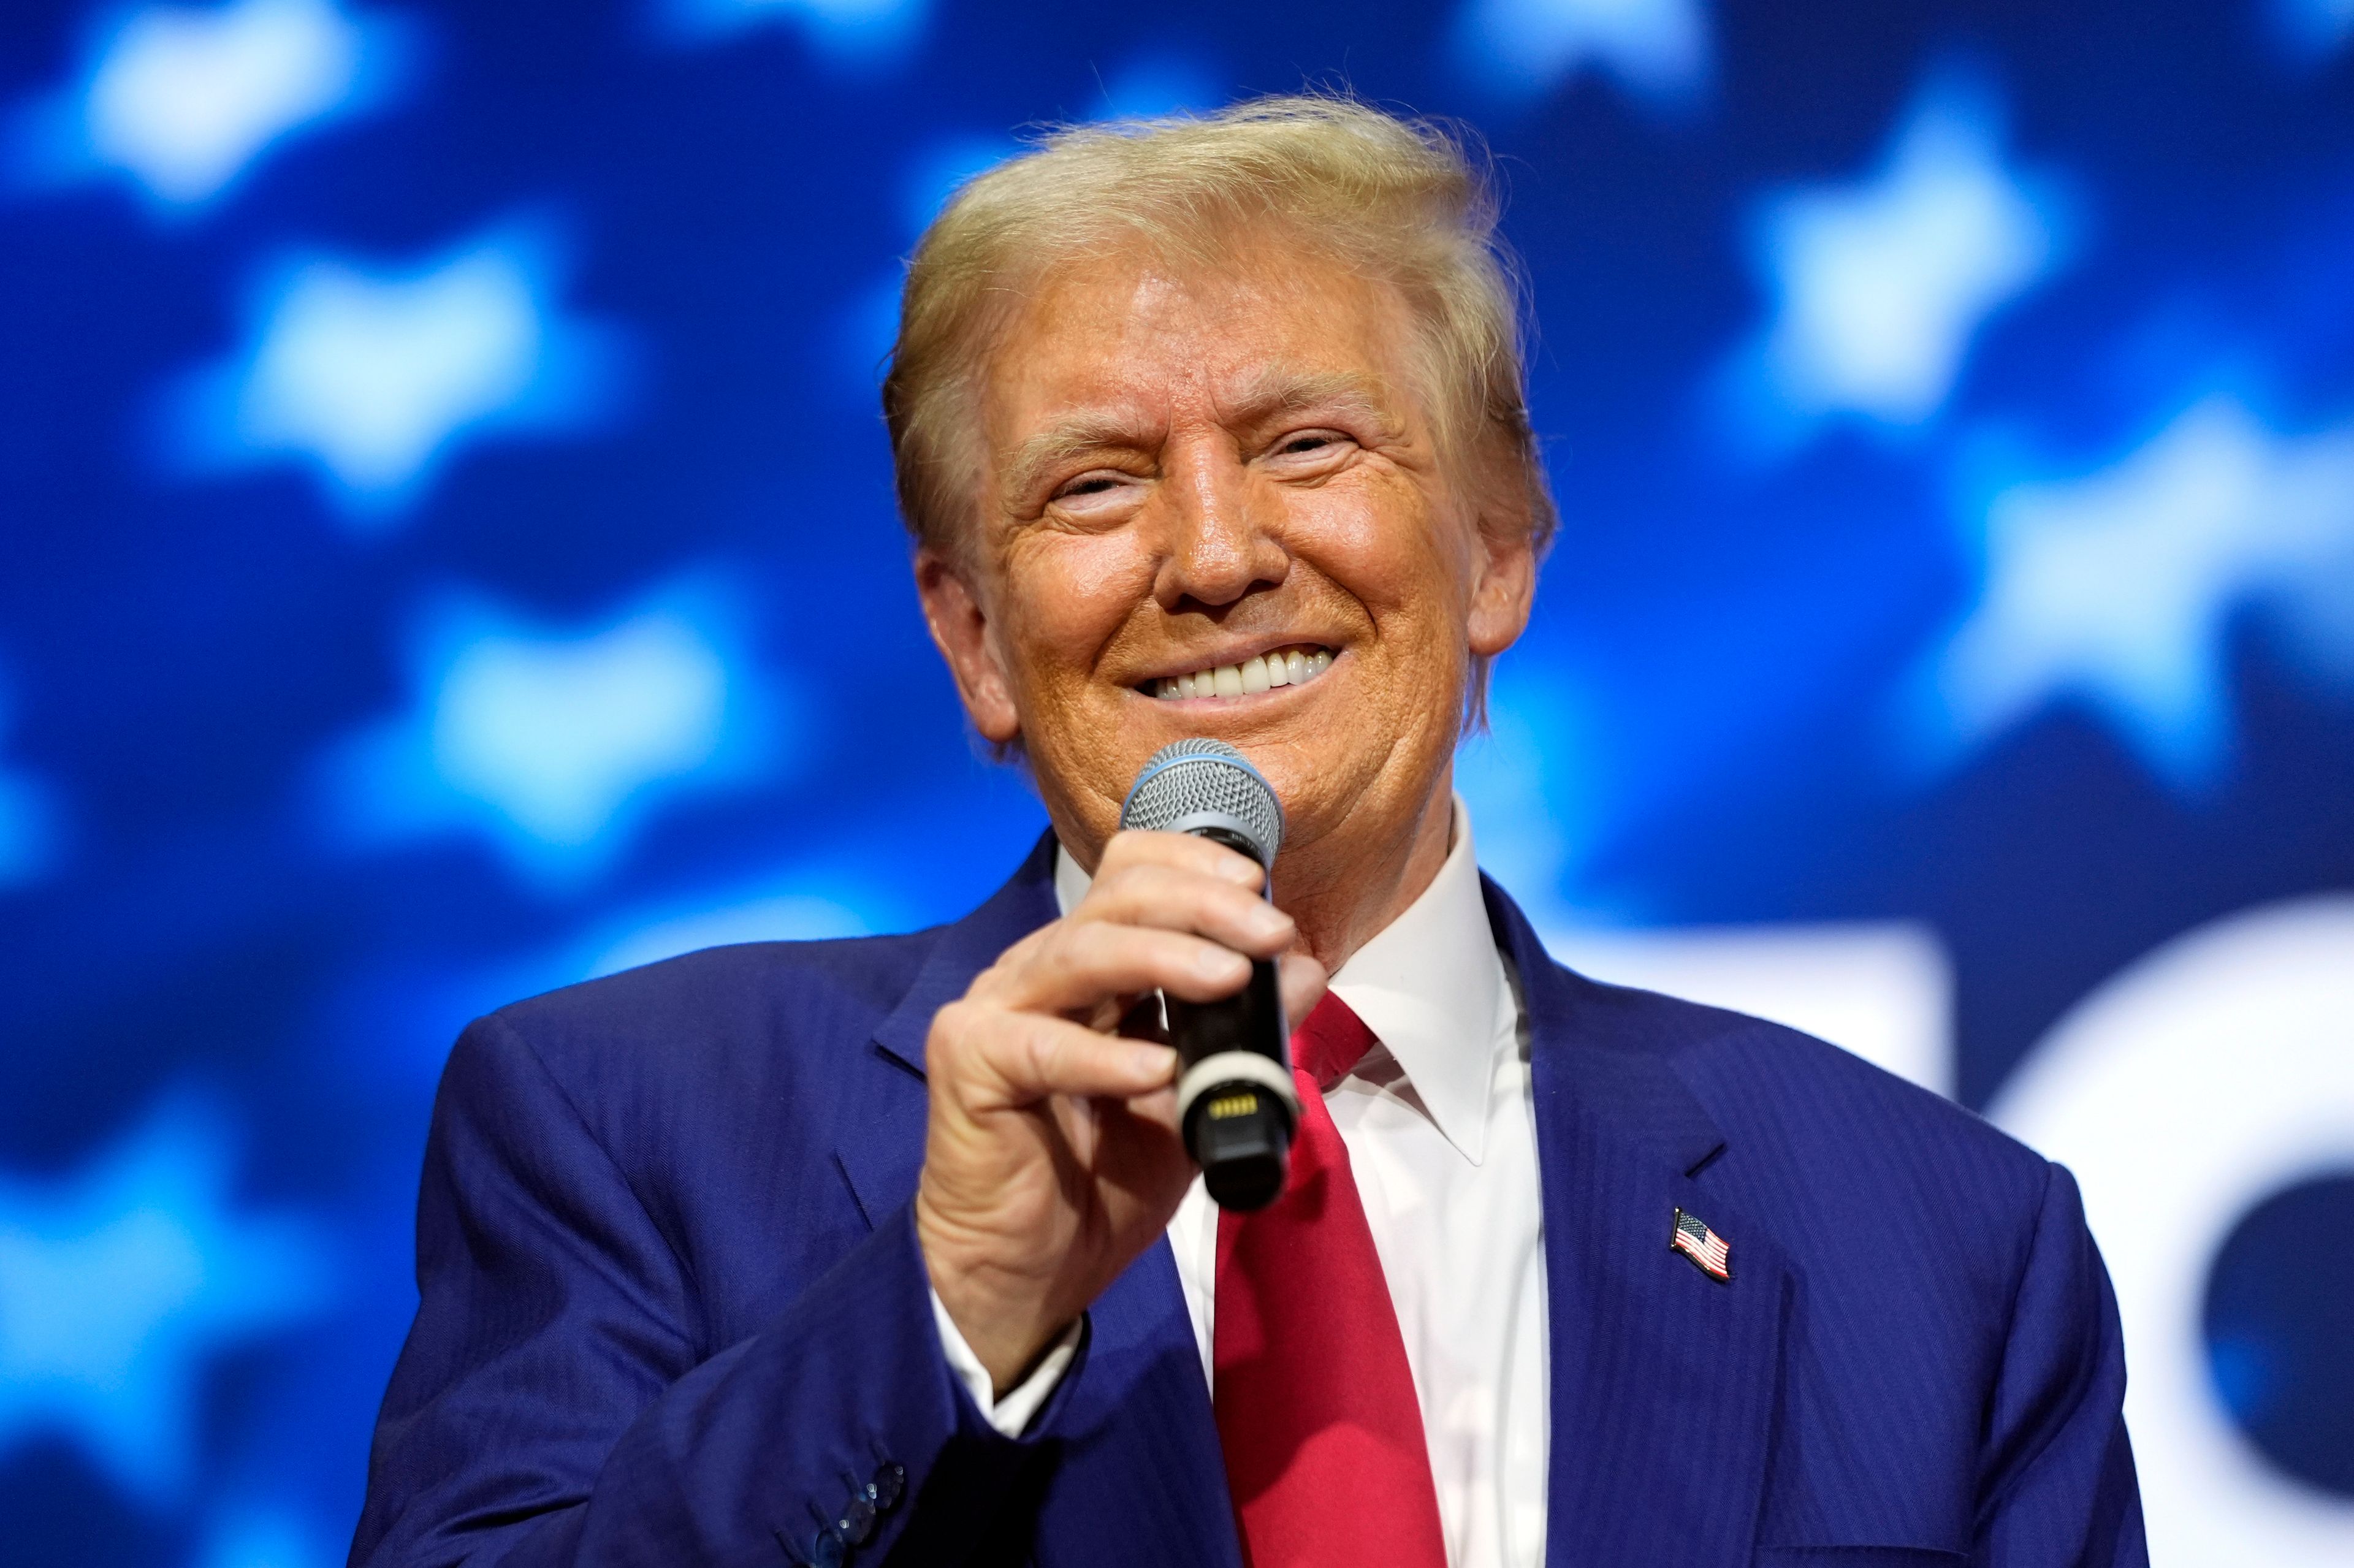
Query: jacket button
x=857 y=1522
x=889 y=1483
x=826 y=1549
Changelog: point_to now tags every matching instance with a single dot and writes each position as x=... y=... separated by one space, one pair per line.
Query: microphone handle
x=1235 y=1101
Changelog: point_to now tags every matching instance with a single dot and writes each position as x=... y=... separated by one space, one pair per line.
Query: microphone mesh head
x=1202 y=783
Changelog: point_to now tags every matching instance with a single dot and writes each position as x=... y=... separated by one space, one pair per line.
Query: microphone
x=1236 y=1105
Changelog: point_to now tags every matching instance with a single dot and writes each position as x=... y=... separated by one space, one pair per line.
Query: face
x=1214 y=506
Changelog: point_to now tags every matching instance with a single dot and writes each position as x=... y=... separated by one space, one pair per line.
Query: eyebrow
x=1270 y=394
x=1075 y=437
x=1276 y=392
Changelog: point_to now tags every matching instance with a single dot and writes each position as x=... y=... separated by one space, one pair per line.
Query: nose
x=1220 y=541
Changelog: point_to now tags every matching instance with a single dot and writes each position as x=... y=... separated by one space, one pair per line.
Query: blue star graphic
x=31 y=833
x=2115 y=591
x=849 y=32
x=181 y=100
x=374 y=375
x=119 y=1282
x=555 y=744
x=248 y=1534
x=2311 y=32
x=1879 y=287
x=1657 y=50
x=719 y=919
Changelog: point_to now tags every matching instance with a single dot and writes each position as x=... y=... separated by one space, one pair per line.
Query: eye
x=1093 y=485
x=1308 y=446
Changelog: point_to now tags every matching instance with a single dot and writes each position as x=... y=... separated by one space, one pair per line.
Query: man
x=886 y=1250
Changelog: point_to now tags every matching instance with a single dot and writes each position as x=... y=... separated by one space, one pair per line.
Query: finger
x=1009 y=1059
x=1083 y=964
x=1177 y=899
x=1184 y=852
x=1159 y=1107
x=1303 y=980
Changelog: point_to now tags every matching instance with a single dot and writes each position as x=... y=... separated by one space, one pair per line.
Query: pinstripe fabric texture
x=673 y=1311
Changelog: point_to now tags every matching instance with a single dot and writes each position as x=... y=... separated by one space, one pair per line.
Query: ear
x=959 y=620
x=1504 y=585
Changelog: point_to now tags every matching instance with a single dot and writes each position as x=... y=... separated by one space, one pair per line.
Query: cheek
x=1069 y=594
x=1379 y=541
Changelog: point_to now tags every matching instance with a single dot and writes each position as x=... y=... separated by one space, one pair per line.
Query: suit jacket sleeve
x=2059 y=1489
x=553 y=1403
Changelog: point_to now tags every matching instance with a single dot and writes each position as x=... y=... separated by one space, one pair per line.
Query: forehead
x=1140 y=334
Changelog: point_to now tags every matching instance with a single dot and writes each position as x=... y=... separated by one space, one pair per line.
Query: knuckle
x=1097 y=944
x=953 y=1024
x=1069 y=944
x=1038 y=1053
x=1125 y=881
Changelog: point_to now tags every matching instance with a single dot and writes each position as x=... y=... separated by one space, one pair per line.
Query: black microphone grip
x=1237 y=1132
x=1237 y=1100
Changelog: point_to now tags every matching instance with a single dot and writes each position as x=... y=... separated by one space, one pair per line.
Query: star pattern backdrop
x=447 y=551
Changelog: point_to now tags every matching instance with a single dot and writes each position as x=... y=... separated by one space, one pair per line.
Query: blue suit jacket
x=674 y=1312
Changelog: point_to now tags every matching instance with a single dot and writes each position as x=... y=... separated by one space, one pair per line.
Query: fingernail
x=1223 y=965
x=1267 y=920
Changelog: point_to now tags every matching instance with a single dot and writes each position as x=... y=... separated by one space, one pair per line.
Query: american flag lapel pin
x=1710 y=1253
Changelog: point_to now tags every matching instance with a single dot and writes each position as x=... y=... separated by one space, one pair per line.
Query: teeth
x=1290 y=667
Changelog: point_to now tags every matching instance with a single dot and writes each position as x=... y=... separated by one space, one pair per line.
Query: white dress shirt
x=1441 y=1134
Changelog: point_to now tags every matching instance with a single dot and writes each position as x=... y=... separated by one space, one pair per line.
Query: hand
x=1053 y=1158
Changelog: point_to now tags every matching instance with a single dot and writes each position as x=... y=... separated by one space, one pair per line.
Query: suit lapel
x=1664 y=1381
x=1145 y=1481
x=1142 y=1480
x=884 y=1151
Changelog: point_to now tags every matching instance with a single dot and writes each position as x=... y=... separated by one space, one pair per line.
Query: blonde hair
x=1400 y=200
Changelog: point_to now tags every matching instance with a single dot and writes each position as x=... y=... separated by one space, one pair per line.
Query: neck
x=1341 y=897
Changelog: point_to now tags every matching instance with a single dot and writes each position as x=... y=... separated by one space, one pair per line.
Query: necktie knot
x=1330 y=1042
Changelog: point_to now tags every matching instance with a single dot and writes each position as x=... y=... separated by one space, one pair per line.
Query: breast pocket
x=1859 y=1557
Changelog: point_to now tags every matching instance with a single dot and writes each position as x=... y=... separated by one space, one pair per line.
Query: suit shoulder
x=1890 y=1200
x=698 y=1015
x=1777 y=1090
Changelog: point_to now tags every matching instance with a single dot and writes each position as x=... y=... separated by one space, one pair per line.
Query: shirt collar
x=1428 y=985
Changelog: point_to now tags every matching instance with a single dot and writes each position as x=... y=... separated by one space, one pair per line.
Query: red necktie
x=1316 y=1408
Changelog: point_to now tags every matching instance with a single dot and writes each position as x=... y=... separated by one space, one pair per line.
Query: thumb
x=1303 y=980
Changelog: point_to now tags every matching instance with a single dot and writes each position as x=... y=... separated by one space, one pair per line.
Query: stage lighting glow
x=716 y=921
x=248 y=1536
x=122 y=1279
x=843 y=32
x=1657 y=50
x=374 y=375
x=32 y=837
x=1879 y=285
x=554 y=745
x=181 y=100
x=2116 y=590
x=2312 y=31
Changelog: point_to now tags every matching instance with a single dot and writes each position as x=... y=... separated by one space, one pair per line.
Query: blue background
x=447 y=550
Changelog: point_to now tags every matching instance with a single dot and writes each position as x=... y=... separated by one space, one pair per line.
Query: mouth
x=1294 y=664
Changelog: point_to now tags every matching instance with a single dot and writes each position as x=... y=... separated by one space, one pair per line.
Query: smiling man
x=886 y=1250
